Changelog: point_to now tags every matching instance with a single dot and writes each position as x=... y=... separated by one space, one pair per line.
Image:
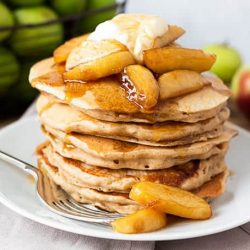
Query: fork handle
x=19 y=163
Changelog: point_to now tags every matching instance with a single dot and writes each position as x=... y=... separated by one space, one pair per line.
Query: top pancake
x=106 y=100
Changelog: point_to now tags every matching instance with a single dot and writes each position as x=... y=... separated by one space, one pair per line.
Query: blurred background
x=31 y=29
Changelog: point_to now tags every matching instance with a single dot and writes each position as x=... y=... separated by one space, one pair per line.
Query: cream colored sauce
x=138 y=32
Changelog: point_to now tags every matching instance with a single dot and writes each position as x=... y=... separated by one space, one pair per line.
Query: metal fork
x=57 y=200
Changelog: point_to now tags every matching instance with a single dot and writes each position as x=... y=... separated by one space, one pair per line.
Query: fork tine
x=58 y=201
x=94 y=211
x=74 y=215
x=80 y=209
x=79 y=212
x=70 y=209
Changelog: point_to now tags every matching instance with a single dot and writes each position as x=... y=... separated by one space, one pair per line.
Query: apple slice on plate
x=171 y=200
x=144 y=220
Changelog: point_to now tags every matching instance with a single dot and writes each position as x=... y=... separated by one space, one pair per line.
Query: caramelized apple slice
x=96 y=59
x=179 y=82
x=173 y=33
x=171 y=200
x=140 y=85
x=102 y=67
x=61 y=53
x=165 y=59
x=145 y=220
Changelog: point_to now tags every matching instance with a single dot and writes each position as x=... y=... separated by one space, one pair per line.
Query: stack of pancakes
x=100 y=143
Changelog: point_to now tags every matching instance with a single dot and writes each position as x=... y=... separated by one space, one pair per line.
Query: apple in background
x=6 y=19
x=9 y=70
x=21 y=3
x=241 y=89
x=227 y=62
x=68 y=7
x=36 y=41
x=89 y=23
x=22 y=90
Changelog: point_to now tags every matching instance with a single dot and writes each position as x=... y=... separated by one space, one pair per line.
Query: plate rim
x=110 y=235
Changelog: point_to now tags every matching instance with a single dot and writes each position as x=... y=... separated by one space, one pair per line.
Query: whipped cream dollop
x=136 y=31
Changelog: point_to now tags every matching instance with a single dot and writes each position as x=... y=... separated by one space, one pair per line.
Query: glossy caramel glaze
x=52 y=78
x=111 y=94
x=130 y=90
x=106 y=93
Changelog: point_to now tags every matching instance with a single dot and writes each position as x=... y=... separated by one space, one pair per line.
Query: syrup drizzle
x=107 y=93
x=131 y=92
x=73 y=89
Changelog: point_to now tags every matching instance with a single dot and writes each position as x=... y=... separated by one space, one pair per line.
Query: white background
x=205 y=21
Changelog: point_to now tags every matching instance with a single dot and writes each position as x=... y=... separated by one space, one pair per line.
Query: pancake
x=104 y=99
x=114 y=116
x=119 y=202
x=187 y=176
x=63 y=117
x=213 y=188
x=115 y=154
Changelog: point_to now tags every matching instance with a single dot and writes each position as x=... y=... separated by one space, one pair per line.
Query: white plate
x=18 y=192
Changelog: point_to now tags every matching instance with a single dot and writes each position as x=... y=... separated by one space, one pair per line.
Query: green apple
x=241 y=89
x=66 y=7
x=9 y=69
x=6 y=19
x=23 y=90
x=227 y=62
x=23 y=3
x=89 y=23
x=36 y=41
